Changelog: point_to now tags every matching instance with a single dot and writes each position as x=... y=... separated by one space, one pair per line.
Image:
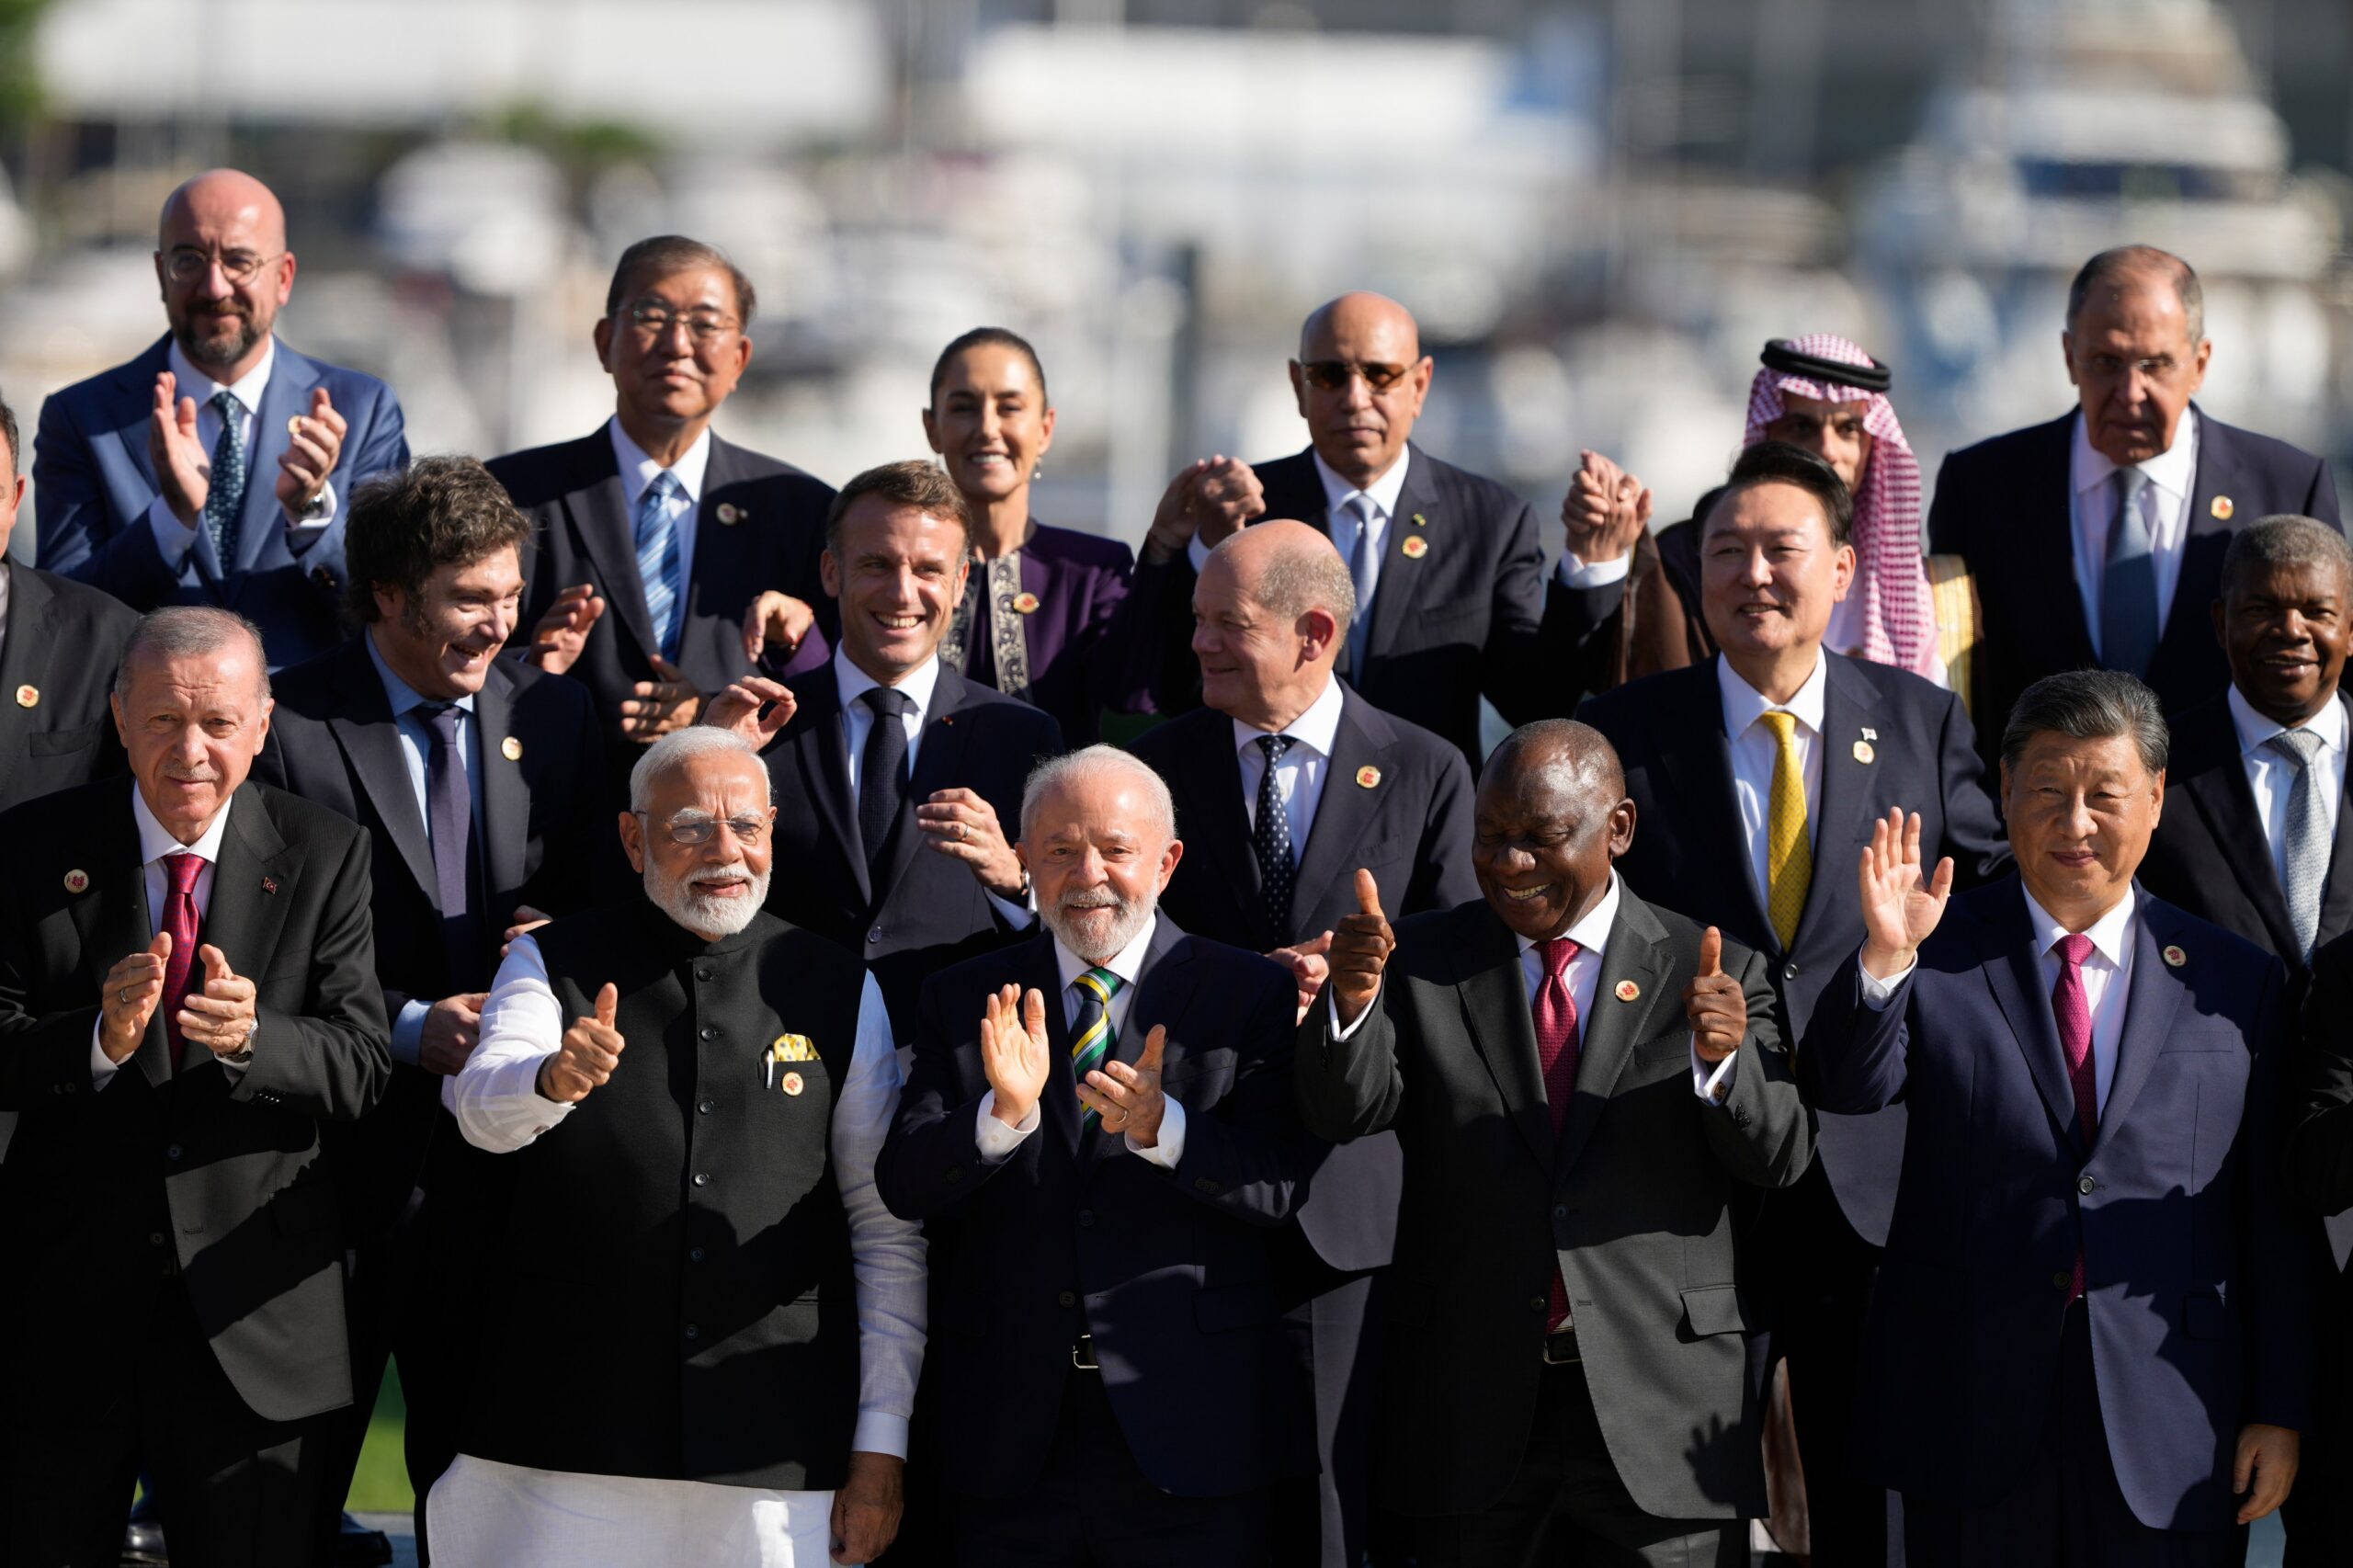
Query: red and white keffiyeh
x=1891 y=587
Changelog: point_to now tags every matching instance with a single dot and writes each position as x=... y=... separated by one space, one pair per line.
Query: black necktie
x=881 y=776
x=449 y=821
x=1270 y=836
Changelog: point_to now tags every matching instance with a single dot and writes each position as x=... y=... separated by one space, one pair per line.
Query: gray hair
x=2109 y=268
x=1056 y=771
x=2284 y=539
x=682 y=746
x=2090 y=705
x=1294 y=581
x=185 y=631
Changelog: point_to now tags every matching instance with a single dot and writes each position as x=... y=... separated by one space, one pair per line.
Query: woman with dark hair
x=1046 y=616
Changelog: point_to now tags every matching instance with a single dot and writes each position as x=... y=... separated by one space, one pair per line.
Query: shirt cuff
x=1171 y=1147
x=1332 y=1013
x=173 y=538
x=1576 y=573
x=408 y=1031
x=102 y=1070
x=1878 y=993
x=994 y=1137
x=307 y=529
x=879 y=1432
x=1712 y=1086
x=1197 y=554
x=1020 y=917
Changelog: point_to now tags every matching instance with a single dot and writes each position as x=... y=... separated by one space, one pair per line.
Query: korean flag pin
x=1628 y=991
x=78 y=880
x=1415 y=547
x=792 y=1084
x=511 y=749
x=729 y=513
x=29 y=695
x=2175 y=956
x=1368 y=777
x=2222 y=508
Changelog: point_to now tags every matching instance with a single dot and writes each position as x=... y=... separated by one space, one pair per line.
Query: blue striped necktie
x=1091 y=1034
x=660 y=564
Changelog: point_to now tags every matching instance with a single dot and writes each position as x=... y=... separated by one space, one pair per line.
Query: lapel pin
x=792 y=1084
x=29 y=695
x=511 y=749
x=2175 y=958
x=1628 y=991
x=78 y=880
x=1863 y=751
x=2222 y=508
x=294 y=425
x=1367 y=776
x=1026 y=603
x=269 y=884
x=729 y=513
x=1415 y=547
x=1420 y=521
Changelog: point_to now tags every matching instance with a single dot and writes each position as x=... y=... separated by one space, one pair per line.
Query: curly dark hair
x=407 y=523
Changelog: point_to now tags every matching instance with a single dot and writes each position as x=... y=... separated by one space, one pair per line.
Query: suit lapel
x=2149 y=1009
x=1223 y=827
x=1696 y=758
x=111 y=919
x=1849 y=707
x=1611 y=1030
x=2336 y=894
x=2014 y=970
x=2204 y=538
x=284 y=395
x=363 y=726
x=24 y=661
x=2044 y=544
x=726 y=553
x=822 y=756
x=1495 y=1004
x=1344 y=815
x=248 y=907
x=600 y=512
x=1399 y=589
x=2215 y=780
x=506 y=796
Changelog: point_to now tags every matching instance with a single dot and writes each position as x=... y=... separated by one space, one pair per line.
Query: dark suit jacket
x=1460 y=621
x=1083 y=635
x=1669 y=732
x=545 y=831
x=1411 y=829
x=1634 y=1203
x=930 y=911
x=221 y=1176
x=91 y=486
x=63 y=642
x=2002 y=505
x=572 y=494
x=1171 y=1271
x=2199 y=1284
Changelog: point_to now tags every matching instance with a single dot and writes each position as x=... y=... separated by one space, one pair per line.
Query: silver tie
x=2304 y=862
x=1362 y=568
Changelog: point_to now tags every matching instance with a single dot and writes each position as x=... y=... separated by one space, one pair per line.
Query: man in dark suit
x=656 y=539
x=2252 y=845
x=187 y=992
x=480 y=782
x=894 y=774
x=213 y=468
x=2097 y=538
x=1776 y=731
x=2091 y=1337
x=60 y=644
x=1581 y=1089
x=1449 y=571
x=1286 y=784
x=2320 y=1174
x=1099 y=1135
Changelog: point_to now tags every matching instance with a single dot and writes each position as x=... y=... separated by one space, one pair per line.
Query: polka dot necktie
x=225 y=501
x=1270 y=836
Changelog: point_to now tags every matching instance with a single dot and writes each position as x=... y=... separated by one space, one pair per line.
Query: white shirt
x=997 y=1142
x=2165 y=505
x=7 y=570
x=483 y=1512
x=1754 y=753
x=1582 y=977
x=155 y=842
x=497 y=1100
x=2107 y=976
x=2273 y=779
x=173 y=538
x=685 y=504
x=1301 y=775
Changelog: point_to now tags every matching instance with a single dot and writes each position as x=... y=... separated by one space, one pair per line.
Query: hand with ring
x=963 y=824
x=133 y=988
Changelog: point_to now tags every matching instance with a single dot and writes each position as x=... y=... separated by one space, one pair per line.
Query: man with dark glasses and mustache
x=217 y=467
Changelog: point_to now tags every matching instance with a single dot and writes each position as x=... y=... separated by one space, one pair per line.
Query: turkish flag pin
x=269 y=884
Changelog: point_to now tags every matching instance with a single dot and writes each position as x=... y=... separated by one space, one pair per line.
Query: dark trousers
x=1093 y=1508
x=2069 y=1512
x=1566 y=1505
x=242 y=1489
x=1334 y=1319
x=1822 y=1277
x=2318 y=1514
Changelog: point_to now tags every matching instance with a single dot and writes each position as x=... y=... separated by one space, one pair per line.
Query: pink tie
x=179 y=921
x=1556 y=1049
x=2073 y=1012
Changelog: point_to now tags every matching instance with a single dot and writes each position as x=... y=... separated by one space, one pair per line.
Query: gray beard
x=1130 y=919
x=708 y=917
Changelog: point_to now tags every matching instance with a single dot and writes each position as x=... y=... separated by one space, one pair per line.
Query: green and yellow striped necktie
x=1091 y=1035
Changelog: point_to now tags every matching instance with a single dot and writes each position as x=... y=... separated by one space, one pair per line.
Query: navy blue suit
x=2199 y=1311
x=2002 y=505
x=93 y=483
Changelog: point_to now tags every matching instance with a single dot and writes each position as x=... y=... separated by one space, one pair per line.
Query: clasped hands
x=220 y=1017
x=1016 y=1057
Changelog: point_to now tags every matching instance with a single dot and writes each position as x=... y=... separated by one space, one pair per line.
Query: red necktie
x=1556 y=1049
x=2073 y=1012
x=180 y=923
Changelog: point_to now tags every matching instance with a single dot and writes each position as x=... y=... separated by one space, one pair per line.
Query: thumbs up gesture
x=220 y=1017
x=1361 y=948
x=1129 y=1098
x=591 y=1049
x=1713 y=1001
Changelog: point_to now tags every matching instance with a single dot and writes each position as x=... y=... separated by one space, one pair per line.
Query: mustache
x=1100 y=898
x=736 y=872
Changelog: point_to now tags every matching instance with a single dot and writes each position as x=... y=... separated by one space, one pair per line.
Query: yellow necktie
x=1789 y=859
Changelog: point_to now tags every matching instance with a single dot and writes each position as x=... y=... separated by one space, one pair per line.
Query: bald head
x=1576 y=755
x=221 y=260
x=1360 y=378
x=1551 y=818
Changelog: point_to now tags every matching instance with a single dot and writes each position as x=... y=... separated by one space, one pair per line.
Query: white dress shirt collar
x=198 y=384
x=637 y=470
x=2111 y=934
x=155 y=840
x=2254 y=729
x=852 y=682
x=1383 y=490
x=1127 y=963
x=1318 y=726
x=2172 y=471
x=1743 y=704
x=1591 y=934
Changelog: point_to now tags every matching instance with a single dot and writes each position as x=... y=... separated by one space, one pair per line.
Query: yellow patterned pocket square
x=793 y=1048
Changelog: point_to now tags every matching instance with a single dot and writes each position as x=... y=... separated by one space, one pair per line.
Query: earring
x=1036 y=471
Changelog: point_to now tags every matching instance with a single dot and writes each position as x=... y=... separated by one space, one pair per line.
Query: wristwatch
x=243 y=1054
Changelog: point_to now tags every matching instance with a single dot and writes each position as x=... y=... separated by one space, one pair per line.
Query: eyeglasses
x=688 y=829
x=1333 y=375
x=187 y=264
x=656 y=321
x=2158 y=368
